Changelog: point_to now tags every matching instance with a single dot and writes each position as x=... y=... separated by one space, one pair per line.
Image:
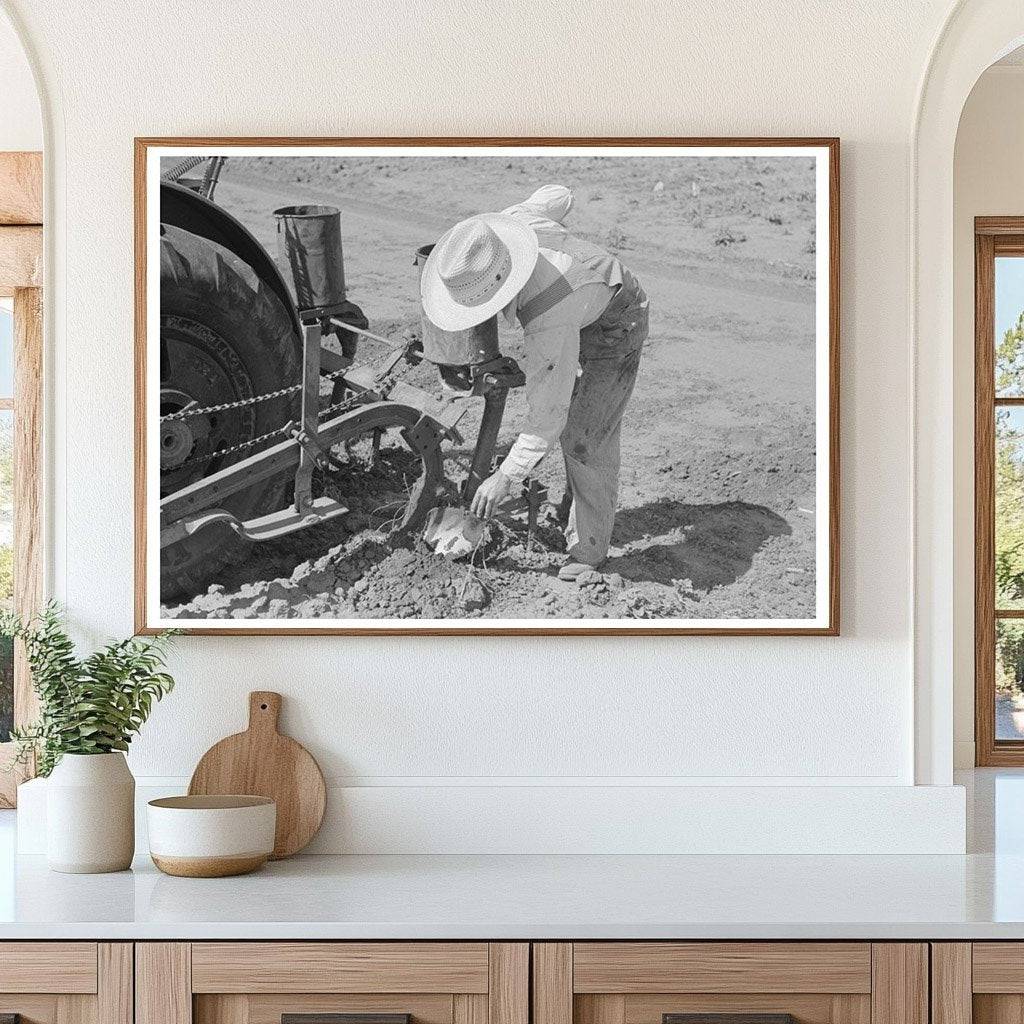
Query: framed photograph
x=487 y=386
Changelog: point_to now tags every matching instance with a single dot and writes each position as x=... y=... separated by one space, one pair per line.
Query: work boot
x=578 y=572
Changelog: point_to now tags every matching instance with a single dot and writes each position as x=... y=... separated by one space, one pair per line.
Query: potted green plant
x=89 y=709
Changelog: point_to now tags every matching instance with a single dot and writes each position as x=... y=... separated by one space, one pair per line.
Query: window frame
x=21 y=261
x=993 y=237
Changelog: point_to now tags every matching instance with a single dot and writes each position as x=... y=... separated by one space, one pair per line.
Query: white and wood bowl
x=211 y=836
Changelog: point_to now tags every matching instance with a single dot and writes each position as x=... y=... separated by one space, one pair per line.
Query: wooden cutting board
x=262 y=762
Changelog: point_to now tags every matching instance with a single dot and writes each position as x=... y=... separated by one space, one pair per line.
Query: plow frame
x=306 y=444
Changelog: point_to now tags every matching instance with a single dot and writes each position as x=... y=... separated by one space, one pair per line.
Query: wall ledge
x=601 y=819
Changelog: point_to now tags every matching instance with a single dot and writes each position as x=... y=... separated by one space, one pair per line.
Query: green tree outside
x=6 y=570
x=1009 y=510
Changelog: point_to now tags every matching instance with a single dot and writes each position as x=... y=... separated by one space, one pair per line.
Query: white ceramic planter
x=90 y=814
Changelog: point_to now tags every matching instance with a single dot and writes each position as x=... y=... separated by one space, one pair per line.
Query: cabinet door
x=736 y=982
x=66 y=982
x=332 y=983
x=981 y=982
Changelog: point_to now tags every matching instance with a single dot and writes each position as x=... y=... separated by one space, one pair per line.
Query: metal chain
x=382 y=387
x=241 y=446
x=188 y=412
x=188 y=164
x=347 y=403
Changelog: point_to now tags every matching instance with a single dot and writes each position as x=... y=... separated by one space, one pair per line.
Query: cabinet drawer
x=261 y=982
x=998 y=967
x=630 y=967
x=733 y=982
x=66 y=982
x=340 y=967
x=270 y=1009
x=48 y=967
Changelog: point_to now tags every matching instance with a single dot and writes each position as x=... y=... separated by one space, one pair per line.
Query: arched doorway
x=21 y=249
x=975 y=35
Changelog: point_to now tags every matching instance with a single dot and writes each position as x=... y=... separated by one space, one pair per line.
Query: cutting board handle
x=264 y=710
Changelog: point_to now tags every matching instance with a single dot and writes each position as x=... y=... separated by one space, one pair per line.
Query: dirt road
x=717 y=489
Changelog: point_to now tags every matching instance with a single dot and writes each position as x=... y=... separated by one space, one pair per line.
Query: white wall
x=988 y=181
x=21 y=125
x=395 y=713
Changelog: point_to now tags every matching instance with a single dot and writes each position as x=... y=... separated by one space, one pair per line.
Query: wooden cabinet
x=646 y=982
x=259 y=982
x=979 y=982
x=496 y=983
x=66 y=982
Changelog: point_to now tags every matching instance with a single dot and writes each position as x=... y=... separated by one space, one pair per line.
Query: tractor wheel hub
x=178 y=438
x=176 y=443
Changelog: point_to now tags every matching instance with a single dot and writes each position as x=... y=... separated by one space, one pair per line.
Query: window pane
x=6 y=564
x=1009 y=326
x=6 y=349
x=1009 y=539
x=1009 y=679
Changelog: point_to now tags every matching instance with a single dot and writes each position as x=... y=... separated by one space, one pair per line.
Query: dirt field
x=717 y=502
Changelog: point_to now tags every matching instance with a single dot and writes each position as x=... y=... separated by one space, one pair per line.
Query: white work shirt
x=552 y=342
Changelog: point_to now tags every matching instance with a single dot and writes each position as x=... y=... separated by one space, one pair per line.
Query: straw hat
x=476 y=269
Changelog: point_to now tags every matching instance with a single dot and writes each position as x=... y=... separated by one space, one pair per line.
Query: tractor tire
x=224 y=336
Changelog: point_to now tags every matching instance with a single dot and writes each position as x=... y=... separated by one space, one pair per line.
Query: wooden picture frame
x=825 y=621
x=21 y=268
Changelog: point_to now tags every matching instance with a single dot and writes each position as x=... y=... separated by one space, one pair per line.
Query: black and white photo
x=467 y=387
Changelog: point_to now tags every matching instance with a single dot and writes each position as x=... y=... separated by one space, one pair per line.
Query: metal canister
x=457 y=348
x=309 y=240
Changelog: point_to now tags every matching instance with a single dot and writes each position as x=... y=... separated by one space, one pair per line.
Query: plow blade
x=453 y=532
x=268 y=527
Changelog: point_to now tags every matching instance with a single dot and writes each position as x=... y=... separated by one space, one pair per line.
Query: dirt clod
x=475 y=596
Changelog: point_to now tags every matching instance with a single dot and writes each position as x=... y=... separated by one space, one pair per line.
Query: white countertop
x=532 y=897
x=978 y=896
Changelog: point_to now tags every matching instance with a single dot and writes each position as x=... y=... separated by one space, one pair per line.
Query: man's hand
x=490 y=494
